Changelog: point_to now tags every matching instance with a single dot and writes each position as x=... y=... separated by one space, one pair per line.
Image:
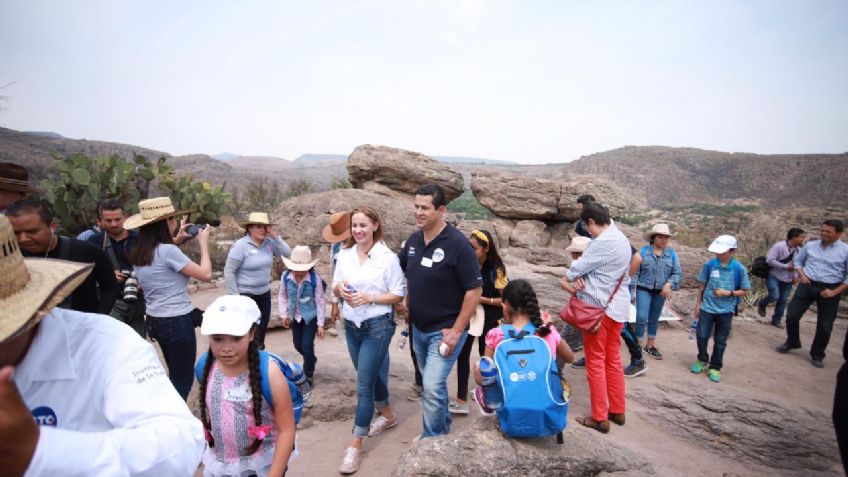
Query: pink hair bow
x=258 y=432
x=208 y=435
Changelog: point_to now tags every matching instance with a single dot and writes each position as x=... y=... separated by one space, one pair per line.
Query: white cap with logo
x=232 y=315
x=722 y=244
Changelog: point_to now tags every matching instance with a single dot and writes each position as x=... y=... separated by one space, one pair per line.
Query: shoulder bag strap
x=617 y=286
x=107 y=245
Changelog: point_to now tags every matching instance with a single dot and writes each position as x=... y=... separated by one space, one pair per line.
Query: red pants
x=603 y=369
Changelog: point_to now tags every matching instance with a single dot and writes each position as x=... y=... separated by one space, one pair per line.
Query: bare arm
x=284 y=418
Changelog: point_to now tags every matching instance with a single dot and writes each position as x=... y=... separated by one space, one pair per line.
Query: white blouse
x=380 y=273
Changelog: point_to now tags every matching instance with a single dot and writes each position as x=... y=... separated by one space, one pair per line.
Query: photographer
x=116 y=242
x=163 y=271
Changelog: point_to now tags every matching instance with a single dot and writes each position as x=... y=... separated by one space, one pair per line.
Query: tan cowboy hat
x=14 y=178
x=152 y=210
x=338 y=229
x=475 y=328
x=578 y=244
x=256 y=218
x=301 y=259
x=30 y=288
x=658 y=229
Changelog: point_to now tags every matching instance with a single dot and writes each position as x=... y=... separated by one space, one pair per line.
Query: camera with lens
x=130 y=286
x=193 y=229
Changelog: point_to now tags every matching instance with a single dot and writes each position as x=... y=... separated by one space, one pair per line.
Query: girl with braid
x=246 y=435
x=520 y=307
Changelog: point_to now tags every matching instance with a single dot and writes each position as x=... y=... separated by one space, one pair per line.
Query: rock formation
x=389 y=171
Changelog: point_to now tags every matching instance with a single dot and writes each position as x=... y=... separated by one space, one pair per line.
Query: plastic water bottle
x=492 y=392
x=298 y=377
x=404 y=335
x=693 y=330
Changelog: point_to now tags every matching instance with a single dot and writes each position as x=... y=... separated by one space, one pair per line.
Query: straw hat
x=152 y=210
x=657 y=229
x=14 y=178
x=30 y=288
x=256 y=218
x=301 y=259
x=578 y=244
x=338 y=229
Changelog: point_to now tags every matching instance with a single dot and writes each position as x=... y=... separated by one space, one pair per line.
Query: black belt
x=652 y=291
x=823 y=284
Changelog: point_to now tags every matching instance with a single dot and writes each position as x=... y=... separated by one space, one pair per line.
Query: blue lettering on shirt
x=44 y=416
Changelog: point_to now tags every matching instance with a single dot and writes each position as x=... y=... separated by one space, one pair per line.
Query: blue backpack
x=533 y=404
x=292 y=371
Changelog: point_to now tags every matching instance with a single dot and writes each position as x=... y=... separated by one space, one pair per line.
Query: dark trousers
x=263 y=301
x=628 y=334
x=303 y=336
x=805 y=296
x=718 y=326
x=179 y=347
x=131 y=313
x=419 y=380
x=778 y=292
x=463 y=363
x=840 y=413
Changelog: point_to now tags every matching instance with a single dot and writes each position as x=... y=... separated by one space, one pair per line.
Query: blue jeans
x=435 y=369
x=176 y=337
x=778 y=291
x=368 y=347
x=303 y=336
x=648 y=309
x=719 y=326
x=263 y=301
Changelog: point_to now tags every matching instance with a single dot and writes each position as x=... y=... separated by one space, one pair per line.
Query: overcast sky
x=526 y=81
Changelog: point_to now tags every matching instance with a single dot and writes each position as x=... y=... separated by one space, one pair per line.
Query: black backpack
x=760 y=267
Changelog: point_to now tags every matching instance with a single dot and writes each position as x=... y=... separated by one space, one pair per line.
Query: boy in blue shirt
x=723 y=282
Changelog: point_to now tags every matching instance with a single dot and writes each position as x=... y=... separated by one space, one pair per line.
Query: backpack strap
x=263 y=372
x=107 y=246
x=198 y=367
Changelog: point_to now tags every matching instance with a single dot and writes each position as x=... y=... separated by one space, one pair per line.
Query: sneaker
x=381 y=424
x=579 y=364
x=817 y=362
x=761 y=310
x=415 y=394
x=785 y=348
x=635 y=368
x=456 y=407
x=352 y=460
x=698 y=367
x=714 y=375
x=653 y=352
x=478 y=398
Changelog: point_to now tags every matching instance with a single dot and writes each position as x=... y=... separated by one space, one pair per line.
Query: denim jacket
x=656 y=271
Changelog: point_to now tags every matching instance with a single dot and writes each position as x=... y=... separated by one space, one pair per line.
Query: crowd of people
x=59 y=354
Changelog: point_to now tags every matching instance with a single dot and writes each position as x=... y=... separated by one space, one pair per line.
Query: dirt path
x=752 y=368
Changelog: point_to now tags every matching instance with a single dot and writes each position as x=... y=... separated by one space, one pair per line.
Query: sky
x=523 y=81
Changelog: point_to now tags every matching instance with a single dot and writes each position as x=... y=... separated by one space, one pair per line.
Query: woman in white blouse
x=369 y=279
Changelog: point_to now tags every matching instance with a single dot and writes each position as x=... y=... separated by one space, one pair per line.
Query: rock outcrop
x=394 y=172
x=480 y=449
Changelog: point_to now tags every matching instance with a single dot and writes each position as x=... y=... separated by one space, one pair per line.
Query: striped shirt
x=605 y=261
x=723 y=277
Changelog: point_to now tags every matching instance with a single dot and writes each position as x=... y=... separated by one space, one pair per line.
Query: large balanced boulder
x=523 y=197
x=388 y=171
x=480 y=449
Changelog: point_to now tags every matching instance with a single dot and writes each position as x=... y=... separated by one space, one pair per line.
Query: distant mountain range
x=652 y=176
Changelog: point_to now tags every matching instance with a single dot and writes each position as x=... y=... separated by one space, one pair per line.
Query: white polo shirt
x=104 y=402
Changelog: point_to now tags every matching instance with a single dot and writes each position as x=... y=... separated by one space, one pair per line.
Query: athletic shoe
x=455 y=407
x=653 y=352
x=635 y=368
x=478 y=398
x=714 y=375
x=785 y=348
x=415 y=394
x=381 y=424
x=352 y=460
x=698 y=367
x=817 y=362
x=579 y=364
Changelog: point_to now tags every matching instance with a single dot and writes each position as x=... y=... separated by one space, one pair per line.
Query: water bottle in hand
x=493 y=395
x=404 y=335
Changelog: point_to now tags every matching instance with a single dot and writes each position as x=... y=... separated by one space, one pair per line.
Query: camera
x=130 y=286
x=193 y=229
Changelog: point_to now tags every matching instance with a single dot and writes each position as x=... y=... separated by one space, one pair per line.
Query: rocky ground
x=770 y=415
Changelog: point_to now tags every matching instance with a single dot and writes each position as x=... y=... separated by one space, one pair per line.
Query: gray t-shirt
x=164 y=286
x=248 y=268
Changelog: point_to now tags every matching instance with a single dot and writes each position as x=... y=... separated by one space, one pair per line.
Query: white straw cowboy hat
x=256 y=218
x=30 y=288
x=338 y=229
x=658 y=229
x=578 y=244
x=301 y=259
x=152 y=210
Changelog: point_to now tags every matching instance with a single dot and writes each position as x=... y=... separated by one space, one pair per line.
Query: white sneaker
x=352 y=460
x=381 y=424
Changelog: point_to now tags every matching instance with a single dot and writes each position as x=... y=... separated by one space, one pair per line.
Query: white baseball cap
x=722 y=244
x=232 y=315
